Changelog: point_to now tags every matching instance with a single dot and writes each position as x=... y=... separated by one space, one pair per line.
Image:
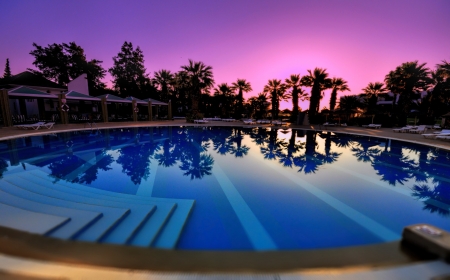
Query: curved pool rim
x=366 y=257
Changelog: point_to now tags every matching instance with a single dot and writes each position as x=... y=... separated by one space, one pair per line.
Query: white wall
x=79 y=84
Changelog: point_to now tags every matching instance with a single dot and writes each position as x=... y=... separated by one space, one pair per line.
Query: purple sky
x=257 y=40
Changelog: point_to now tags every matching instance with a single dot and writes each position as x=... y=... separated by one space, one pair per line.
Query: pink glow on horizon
x=359 y=41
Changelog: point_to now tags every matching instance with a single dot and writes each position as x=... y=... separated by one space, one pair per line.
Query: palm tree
x=445 y=66
x=277 y=90
x=348 y=104
x=164 y=81
x=318 y=81
x=337 y=84
x=297 y=94
x=406 y=81
x=200 y=78
x=223 y=94
x=241 y=85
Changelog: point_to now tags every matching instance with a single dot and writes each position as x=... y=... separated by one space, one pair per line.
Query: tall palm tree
x=164 y=81
x=223 y=94
x=297 y=94
x=318 y=81
x=337 y=84
x=277 y=90
x=406 y=81
x=200 y=78
x=241 y=85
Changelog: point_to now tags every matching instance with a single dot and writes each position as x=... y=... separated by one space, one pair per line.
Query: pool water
x=255 y=188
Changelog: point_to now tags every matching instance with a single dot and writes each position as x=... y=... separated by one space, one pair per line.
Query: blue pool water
x=254 y=188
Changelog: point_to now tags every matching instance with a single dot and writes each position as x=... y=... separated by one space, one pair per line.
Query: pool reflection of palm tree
x=274 y=146
x=195 y=162
x=363 y=149
x=292 y=148
x=237 y=137
x=310 y=161
x=168 y=157
x=3 y=167
x=103 y=163
x=388 y=163
x=435 y=198
x=135 y=160
x=221 y=142
x=329 y=157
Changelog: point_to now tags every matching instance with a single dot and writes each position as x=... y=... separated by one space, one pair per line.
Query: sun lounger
x=420 y=129
x=228 y=120
x=200 y=121
x=443 y=137
x=372 y=125
x=34 y=126
x=403 y=129
x=444 y=132
x=48 y=125
x=329 y=124
x=249 y=121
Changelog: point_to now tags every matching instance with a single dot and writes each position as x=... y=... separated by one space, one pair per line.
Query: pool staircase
x=35 y=202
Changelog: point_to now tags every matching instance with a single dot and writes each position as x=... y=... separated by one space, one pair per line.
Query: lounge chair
x=48 y=125
x=420 y=129
x=444 y=132
x=372 y=125
x=249 y=121
x=403 y=129
x=329 y=124
x=443 y=137
x=200 y=121
x=34 y=126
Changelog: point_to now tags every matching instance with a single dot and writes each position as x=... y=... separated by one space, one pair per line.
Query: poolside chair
x=34 y=126
x=249 y=121
x=200 y=121
x=403 y=129
x=48 y=125
x=420 y=129
x=444 y=132
x=443 y=137
x=372 y=125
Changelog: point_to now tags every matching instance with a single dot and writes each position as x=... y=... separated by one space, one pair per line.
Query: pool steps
x=125 y=219
x=29 y=221
x=170 y=232
x=79 y=219
x=30 y=191
x=123 y=231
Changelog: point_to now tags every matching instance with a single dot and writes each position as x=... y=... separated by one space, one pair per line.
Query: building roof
x=113 y=98
x=29 y=92
x=75 y=95
x=27 y=78
x=138 y=101
x=154 y=101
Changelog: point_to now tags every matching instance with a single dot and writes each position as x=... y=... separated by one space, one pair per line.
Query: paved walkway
x=12 y=132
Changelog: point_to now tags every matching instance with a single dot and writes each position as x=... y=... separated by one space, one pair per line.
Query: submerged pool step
x=29 y=221
x=120 y=233
x=170 y=233
x=111 y=216
x=79 y=219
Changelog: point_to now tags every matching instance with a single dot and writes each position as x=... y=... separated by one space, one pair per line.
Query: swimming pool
x=239 y=188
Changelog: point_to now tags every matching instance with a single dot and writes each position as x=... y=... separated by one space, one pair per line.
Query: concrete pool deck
x=26 y=256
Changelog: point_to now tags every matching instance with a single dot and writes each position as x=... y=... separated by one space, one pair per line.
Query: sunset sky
x=257 y=40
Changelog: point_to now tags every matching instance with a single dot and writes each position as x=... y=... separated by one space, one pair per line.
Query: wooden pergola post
x=150 y=111
x=133 y=108
x=6 y=111
x=169 y=110
x=63 y=114
x=104 y=110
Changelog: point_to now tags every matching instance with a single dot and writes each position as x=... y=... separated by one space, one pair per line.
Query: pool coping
x=26 y=245
x=32 y=246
